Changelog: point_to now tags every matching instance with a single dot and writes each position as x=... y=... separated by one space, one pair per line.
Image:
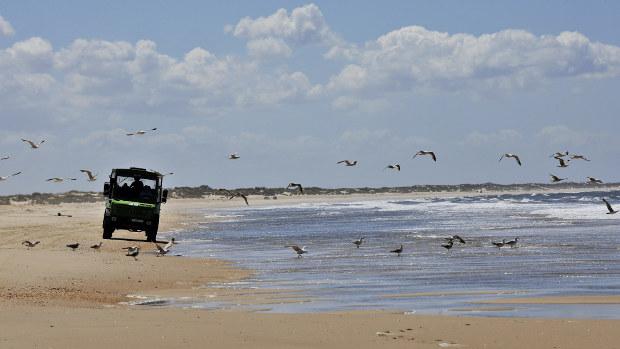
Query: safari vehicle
x=133 y=201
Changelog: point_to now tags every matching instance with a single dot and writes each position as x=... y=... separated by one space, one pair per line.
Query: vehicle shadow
x=137 y=240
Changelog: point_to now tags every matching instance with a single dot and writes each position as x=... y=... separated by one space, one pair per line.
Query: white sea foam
x=576 y=212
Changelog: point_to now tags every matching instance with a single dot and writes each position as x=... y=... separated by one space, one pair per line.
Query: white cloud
x=504 y=136
x=267 y=47
x=414 y=57
x=562 y=135
x=6 y=28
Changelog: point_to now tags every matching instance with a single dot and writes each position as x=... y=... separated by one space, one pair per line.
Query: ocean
x=568 y=245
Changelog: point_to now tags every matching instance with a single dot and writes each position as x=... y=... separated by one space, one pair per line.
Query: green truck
x=133 y=201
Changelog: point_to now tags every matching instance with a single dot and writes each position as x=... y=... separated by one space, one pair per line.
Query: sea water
x=568 y=245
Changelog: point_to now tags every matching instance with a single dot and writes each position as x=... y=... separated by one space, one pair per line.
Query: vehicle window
x=135 y=189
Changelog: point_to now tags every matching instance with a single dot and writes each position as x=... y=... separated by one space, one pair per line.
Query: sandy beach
x=53 y=297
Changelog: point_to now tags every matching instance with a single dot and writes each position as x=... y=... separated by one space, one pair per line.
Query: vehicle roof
x=136 y=170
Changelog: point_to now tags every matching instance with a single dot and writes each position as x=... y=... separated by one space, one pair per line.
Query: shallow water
x=567 y=245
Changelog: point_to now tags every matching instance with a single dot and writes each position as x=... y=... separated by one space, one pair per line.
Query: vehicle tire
x=108 y=229
x=151 y=232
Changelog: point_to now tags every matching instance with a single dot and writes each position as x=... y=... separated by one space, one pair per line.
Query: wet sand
x=53 y=297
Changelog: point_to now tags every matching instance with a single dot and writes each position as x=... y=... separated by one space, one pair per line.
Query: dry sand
x=52 y=297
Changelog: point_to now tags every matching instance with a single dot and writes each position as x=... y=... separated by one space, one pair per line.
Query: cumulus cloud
x=6 y=28
x=303 y=26
x=266 y=47
x=414 y=56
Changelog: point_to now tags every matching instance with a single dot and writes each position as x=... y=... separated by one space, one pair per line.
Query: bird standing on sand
x=348 y=162
x=393 y=167
x=499 y=244
x=448 y=245
x=234 y=156
x=30 y=244
x=556 y=179
x=609 y=208
x=4 y=178
x=91 y=177
x=512 y=243
x=170 y=243
x=96 y=247
x=359 y=241
x=73 y=246
x=563 y=162
x=161 y=251
x=63 y=215
x=426 y=152
x=33 y=145
x=578 y=157
x=140 y=132
x=456 y=237
x=398 y=251
x=509 y=155
x=298 y=250
x=592 y=180
x=295 y=185
x=133 y=251
x=60 y=179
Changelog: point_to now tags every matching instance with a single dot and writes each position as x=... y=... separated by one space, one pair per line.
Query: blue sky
x=294 y=87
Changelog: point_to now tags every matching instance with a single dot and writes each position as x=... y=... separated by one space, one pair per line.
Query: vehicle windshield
x=135 y=189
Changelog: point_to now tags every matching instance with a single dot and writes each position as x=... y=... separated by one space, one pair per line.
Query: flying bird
x=4 y=178
x=133 y=251
x=592 y=180
x=359 y=241
x=298 y=250
x=91 y=177
x=96 y=247
x=393 y=167
x=295 y=185
x=426 y=152
x=60 y=179
x=509 y=155
x=556 y=179
x=448 y=245
x=558 y=155
x=563 y=162
x=30 y=244
x=161 y=251
x=170 y=243
x=398 y=251
x=609 y=208
x=6 y=157
x=348 y=162
x=231 y=195
x=73 y=246
x=140 y=132
x=234 y=156
x=33 y=145
x=579 y=157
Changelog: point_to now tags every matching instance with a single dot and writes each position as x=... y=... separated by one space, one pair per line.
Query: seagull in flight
x=563 y=163
x=558 y=155
x=509 y=155
x=60 y=179
x=133 y=251
x=359 y=241
x=231 y=195
x=348 y=162
x=298 y=250
x=556 y=179
x=140 y=132
x=30 y=244
x=4 y=178
x=398 y=251
x=234 y=156
x=592 y=180
x=393 y=167
x=73 y=246
x=579 y=157
x=33 y=145
x=6 y=157
x=170 y=243
x=91 y=177
x=96 y=247
x=295 y=185
x=426 y=152
x=609 y=208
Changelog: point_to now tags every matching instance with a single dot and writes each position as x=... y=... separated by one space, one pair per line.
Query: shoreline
x=54 y=297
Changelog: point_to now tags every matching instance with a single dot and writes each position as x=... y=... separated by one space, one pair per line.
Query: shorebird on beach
x=359 y=241
x=609 y=208
x=448 y=245
x=96 y=247
x=60 y=179
x=73 y=246
x=398 y=251
x=393 y=167
x=592 y=180
x=348 y=162
x=33 y=145
x=140 y=132
x=578 y=157
x=63 y=215
x=563 y=162
x=558 y=155
x=509 y=155
x=4 y=178
x=161 y=251
x=455 y=237
x=556 y=179
x=30 y=244
x=499 y=244
x=91 y=177
x=298 y=250
x=426 y=152
x=295 y=185
x=170 y=243
x=234 y=156
x=512 y=243
x=133 y=252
